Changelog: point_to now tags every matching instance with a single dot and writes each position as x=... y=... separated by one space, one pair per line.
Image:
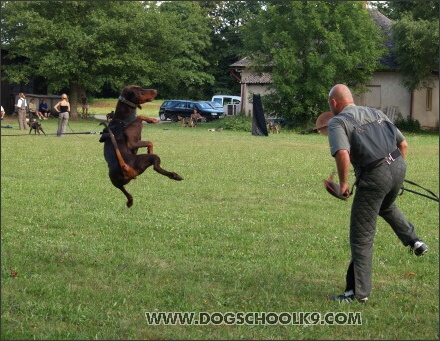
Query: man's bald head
x=339 y=97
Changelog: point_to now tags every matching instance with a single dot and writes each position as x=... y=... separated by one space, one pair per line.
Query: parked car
x=231 y=104
x=186 y=108
x=166 y=104
x=226 y=99
x=215 y=105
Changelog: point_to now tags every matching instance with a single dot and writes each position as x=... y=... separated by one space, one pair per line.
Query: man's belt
x=391 y=157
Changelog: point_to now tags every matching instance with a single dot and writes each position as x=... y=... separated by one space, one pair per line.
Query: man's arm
x=342 y=158
x=403 y=146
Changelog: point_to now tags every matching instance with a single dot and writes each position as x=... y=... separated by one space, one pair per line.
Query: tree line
x=184 y=49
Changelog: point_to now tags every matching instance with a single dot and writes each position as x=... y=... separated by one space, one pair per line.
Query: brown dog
x=190 y=121
x=195 y=117
x=186 y=121
x=273 y=127
x=122 y=139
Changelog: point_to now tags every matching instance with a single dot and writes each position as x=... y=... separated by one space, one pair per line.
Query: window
x=429 y=99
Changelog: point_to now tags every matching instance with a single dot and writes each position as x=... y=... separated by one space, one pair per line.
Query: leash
x=433 y=197
x=81 y=133
x=334 y=188
x=68 y=124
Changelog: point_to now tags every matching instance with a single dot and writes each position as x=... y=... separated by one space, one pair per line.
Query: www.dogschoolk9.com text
x=253 y=318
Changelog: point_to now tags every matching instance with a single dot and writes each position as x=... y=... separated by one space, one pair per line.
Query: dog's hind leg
x=159 y=169
x=128 y=195
x=144 y=161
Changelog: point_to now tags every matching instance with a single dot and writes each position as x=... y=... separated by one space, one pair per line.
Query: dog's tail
x=127 y=171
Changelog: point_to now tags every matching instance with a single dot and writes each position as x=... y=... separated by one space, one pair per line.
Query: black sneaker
x=347 y=298
x=419 y=248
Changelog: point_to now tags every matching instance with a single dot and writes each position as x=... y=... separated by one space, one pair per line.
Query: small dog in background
x=36 y=126
x=190 y=121
x=186 y=121
x=273 y=127
x=195 y=117
x=110 y=115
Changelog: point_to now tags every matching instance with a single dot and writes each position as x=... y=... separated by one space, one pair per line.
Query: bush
x=237 y=123
x=408 y=125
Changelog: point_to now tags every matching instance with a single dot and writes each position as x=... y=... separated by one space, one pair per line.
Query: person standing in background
x=63 y=108
x=21 y=105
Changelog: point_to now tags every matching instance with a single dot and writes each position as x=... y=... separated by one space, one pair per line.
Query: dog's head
x=138 y=95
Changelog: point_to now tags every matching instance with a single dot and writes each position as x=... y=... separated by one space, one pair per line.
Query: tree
x=415 y=37
x=186 y=61
x=417 y=50
x=395 y=10
x=308 y=47
x=226 y=19
x=82 y=45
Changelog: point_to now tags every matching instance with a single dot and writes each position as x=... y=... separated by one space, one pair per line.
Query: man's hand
x=338 y=191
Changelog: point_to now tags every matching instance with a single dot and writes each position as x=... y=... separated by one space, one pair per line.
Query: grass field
x=250 y=229
x=102 y=106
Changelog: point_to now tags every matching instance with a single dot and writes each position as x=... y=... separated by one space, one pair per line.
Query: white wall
x=427 y=118
x=386 y=91
x=247 y=91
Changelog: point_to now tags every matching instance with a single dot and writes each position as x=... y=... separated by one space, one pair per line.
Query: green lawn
x=250 y=229
x=102 y=106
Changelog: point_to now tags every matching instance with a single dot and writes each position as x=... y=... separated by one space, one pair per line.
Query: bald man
x=365 y=138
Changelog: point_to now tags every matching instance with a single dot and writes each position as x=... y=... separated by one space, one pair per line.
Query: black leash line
x=83 y=133
x=434 y=197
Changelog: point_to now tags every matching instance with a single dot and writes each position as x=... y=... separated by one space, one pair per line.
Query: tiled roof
x=254 y=78
x=245 y=62
x=388 y=60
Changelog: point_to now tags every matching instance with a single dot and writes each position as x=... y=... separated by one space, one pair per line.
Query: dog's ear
x=129 y=94
x=133 y=94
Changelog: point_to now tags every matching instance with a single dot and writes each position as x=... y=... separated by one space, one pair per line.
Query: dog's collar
x=123 y=100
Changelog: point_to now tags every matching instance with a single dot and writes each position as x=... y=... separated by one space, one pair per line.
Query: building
x=385 y=89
